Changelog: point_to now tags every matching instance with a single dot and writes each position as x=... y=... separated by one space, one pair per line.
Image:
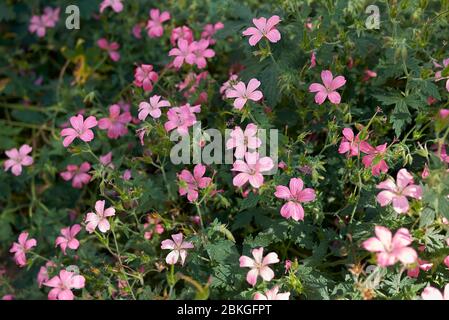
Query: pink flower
x=425 y=172
x=443 y=113
x=68 y=240
x=242 y=93
x=190 y=184
x=63 y=284
x=422 y=265
x=111 y=48
x=295 y=195
x=446 y=261
x=154 y=24
x=106 y=160
x=50 y=17
x=389 y=251
x=200 y=52
x=251 y=170
x=313 y=60
x=243 y=140
x=78 y=175
x=431 y=293
x=144 y=76
x=99 y=218
x=21 y=248
x=80 y=129
x=184 y=33
x=181 y=118
x=272 y=294
x=137 y=31
x=191 y=82
x=233 y=79
x=178 y=247
x=116 y=5
x=259 y=265
x=157 y=227
x=374 y=158
x=209 y=31
x=265 y=29
x=368 y=74
x=127 y=175
x=17 y=159
x=37 y=25
x=152 y=108
x=350 y=144
x=438 y=74
x=329 y=89
x=42 y=275
x=398 y=192
x=183 y=53
x=8 y=297
x=115 y=123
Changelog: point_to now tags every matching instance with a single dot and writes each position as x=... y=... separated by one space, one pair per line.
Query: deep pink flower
x=329 y=89
x=37 y=25
x=99 y=219
x=42 y=275
x=154 y=24
x=110 y=47
x=67 y=238
x=80 y=129
x=184 y=33
x=431 y=293
x=374 y=158
x=438 y=74
x=264 y=28
x=50 y=17
x=391 y=250
x=63 y=284
x=116 y=122
x=422 y=265
x=152 y=108
x=242 y=93
x=190 y=183
x=144 y=77
x=21 y=247
x=350 y=144
x=78 y=175
x=106 y=160
x=209 y=31
x=259 y=265
x=251 y=170
x=181 y=118
x=179 y=248
x=156 y=226
x=200 y=52
x=243 y=140
x=116 y=5
x=398 y=192
x=137 y=31
x=17 y=159
x=295 y=195
x=183 y=53
x=272 y=294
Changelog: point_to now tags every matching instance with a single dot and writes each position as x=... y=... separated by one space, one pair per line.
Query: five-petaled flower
x=190 y=183
x=116 y=122
x=63 y=284
x=295 y=195
x=181 y=118
x=179 y=248
x=243 y=93
x=78 y=175
x=264 y=28
x=328 y=89
x=251 y=169
x=154 y=24
x=152 y=108
x=100 y=218
x=67 y=238
x=17 y=159
x=259 y=265
x=21 y=247
x=374 y=157
x=144 y=77
x=111 y=48
x=272 y=294
x=243 y=140
x=350 y=144
x=80 y=129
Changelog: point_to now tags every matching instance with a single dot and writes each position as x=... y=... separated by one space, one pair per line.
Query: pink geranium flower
x=264 y=28
x=438 y=74
x=78 y=175
x=272 y=294
x=209 y=31
x=116 y=122
x=179 y=248
x=99 y=219
x=184 y=33
x=154 y=24
x=242 y=93
x=183 y=53
x=137 y=31
x=391 y=250
x=422 y=265
x=63 y=284
x=17 y=159
x=42 y=275
x=251 y=170
x=106 y=160
x=368 y=74
x=80 y=129
x=350 y=144
x=156 y=226
x=295 y=195
x=243 y=140
x=38 y=26
x=110 y=47
x=50 y=17
x=431 y=293
x=21 y=247
x=329 y=89
x=190 y=183
x=398 y=192
x=152 y=108
x=144 y=77
x=116 y=5
x=233 y=80
x=259 y=265
x=67 y=238
x=181 y=118
x=200 y=52
x=374 y=158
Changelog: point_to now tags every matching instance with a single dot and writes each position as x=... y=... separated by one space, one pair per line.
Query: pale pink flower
x=181 y=118
x=422 y=265
x=391 y=250
x=80 y=129
x=350 y=144
x=37 y=25
x=438 y=74
x=63 y=284
x=243 y=93
x=183 y=53
x=190 y=183
x=398 y=192
x=116 y=5
x=272 y=294
x=209 y=31
x=144 y=77
x=42 y=275
x=374 y=158
x=431 y=293
x=264 y=28
x=67 y=238
x=243 y=140
x=259 y=265
x=233 y=79
x=154 y=24
x=200 y=52
x=179 y=248
x=184 y=33
x=110 y=47
x=295 y=195
x=17 y=159
x=78 y=175
x=116 y=122
x=328 y=89
x=99 y=219
x=152 y=108
x=50 y=17
x=156 y=226
x=21 y=247
x=251 y=170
